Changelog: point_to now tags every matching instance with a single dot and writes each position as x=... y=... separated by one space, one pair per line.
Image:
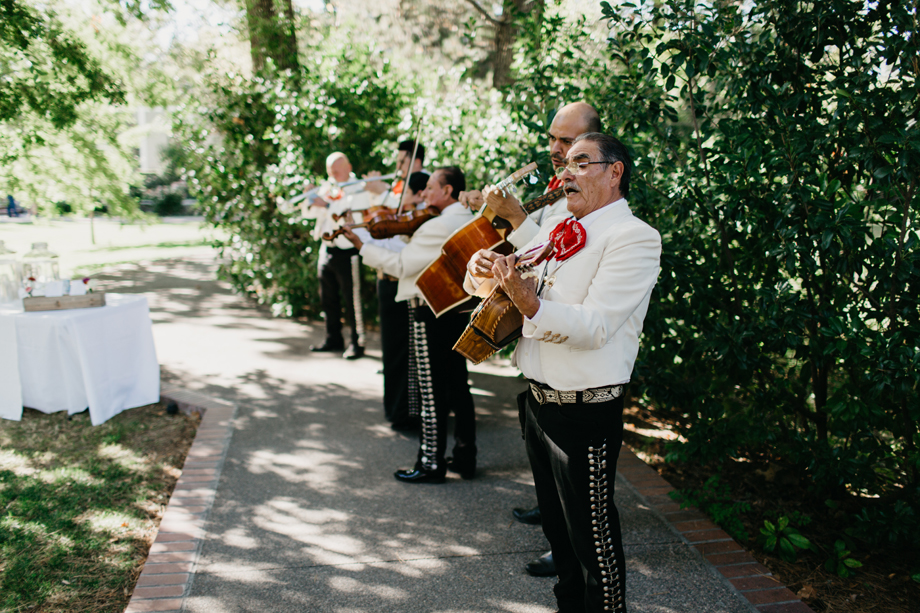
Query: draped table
x=99 y=358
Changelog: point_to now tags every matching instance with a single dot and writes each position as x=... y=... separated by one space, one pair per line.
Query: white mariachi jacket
x=530 y=227
x=593 y=304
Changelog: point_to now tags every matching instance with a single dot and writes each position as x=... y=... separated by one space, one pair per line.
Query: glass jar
x=9 y=275
x=42 y=266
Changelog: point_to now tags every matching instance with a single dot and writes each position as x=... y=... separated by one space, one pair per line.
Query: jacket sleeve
x=626 y=273
x=422 y=250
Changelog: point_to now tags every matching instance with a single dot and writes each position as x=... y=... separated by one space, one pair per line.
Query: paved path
x=288 y=503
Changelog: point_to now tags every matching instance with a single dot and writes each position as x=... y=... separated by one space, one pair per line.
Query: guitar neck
x=541 y=201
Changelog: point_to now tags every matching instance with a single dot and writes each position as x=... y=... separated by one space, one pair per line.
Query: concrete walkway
x=288 y=503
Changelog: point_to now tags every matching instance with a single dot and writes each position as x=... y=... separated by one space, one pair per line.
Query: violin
x=387 y=223
x=366 y=215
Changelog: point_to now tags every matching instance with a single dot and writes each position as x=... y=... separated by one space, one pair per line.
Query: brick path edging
x=169 y=570
x=736 y=567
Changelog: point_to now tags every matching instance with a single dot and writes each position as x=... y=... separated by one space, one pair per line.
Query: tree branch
x=484 y=12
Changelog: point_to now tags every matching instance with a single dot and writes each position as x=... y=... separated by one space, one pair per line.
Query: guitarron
x=496 y=321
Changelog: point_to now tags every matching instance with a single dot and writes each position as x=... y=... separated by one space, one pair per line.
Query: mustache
x=557 y=157
x=570 y=188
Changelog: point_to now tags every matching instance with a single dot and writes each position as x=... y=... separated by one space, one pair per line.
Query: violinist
x=440 y=373
x=399 y=406
x=406 y=164
x=339 y=262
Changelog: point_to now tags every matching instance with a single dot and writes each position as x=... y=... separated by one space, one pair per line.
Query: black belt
x=543 y=394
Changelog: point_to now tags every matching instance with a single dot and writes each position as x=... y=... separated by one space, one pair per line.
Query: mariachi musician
x=570 y=122
x=441 y=373
x=400 y=405
x=339 y=264
x=583 y=315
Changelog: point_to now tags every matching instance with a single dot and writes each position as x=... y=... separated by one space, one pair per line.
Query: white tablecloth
x=102 y=358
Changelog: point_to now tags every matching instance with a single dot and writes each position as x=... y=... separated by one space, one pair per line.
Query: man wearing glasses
x=583 y=317
x=570 y=121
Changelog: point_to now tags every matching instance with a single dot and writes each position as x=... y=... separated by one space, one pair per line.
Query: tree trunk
x=272 y=34
x=505 y=33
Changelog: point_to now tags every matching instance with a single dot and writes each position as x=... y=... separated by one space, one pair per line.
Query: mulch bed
x=883 y=584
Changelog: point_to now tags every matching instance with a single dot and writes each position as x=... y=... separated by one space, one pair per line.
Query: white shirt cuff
x=531 y=323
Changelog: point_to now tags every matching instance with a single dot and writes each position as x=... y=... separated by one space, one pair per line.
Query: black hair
x=453 y=176
x=409 y=146
x=418 y=181
x=612 y=150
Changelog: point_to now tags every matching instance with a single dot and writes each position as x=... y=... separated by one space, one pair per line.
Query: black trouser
x=394 y=342
x=573 y=451
x=338 y=282
x=447 y=389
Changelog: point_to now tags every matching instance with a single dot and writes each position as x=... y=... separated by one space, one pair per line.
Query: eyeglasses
x=578 y=168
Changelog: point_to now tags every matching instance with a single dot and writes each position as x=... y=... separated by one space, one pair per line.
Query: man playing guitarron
x=583 y=317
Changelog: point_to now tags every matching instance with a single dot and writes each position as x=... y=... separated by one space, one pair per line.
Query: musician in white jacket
x=339 y=266
x=583 y=317
x=441 y=373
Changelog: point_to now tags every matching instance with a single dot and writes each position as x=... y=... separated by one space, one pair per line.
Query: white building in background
x=153 y=125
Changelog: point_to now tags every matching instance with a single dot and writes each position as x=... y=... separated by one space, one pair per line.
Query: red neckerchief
x=397 y=189
x=568 y=238
x=554 y=183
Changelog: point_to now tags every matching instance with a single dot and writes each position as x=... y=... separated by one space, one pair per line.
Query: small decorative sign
x=61 y=303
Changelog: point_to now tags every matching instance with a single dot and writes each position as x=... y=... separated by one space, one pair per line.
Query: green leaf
x=853 y=563
x=799 y=541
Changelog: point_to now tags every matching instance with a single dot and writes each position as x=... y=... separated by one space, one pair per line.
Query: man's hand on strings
x=480 y=265
x=471 y=199
x=523 y=292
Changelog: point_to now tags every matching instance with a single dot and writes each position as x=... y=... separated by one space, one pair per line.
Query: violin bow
x=402 y=196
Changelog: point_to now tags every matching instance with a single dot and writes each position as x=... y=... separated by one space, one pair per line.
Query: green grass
x=80 y=505
x=161 y=245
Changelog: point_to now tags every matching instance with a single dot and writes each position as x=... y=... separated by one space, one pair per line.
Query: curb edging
x=167 y=575
x=737 y=568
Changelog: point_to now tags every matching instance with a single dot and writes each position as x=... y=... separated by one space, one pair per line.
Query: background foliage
x=775 y=152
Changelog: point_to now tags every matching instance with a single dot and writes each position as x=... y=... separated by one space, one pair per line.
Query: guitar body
x=493 y=325
x=442 y=282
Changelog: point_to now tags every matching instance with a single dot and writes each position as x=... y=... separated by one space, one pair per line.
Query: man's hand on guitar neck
x=505 y=205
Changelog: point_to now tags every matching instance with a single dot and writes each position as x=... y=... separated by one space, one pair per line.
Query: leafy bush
x=776 y=152
x=784 y=536
x=254 y=142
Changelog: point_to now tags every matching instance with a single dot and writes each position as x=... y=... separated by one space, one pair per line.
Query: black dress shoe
x=353 y=352
x=528 y=516
x=419 y=475
x=463 y=461
x=466 y=467
x=327 y=347
x=544 y=566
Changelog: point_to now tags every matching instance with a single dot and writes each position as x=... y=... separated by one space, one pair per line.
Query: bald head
x=580 y=113
x=570 y=122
